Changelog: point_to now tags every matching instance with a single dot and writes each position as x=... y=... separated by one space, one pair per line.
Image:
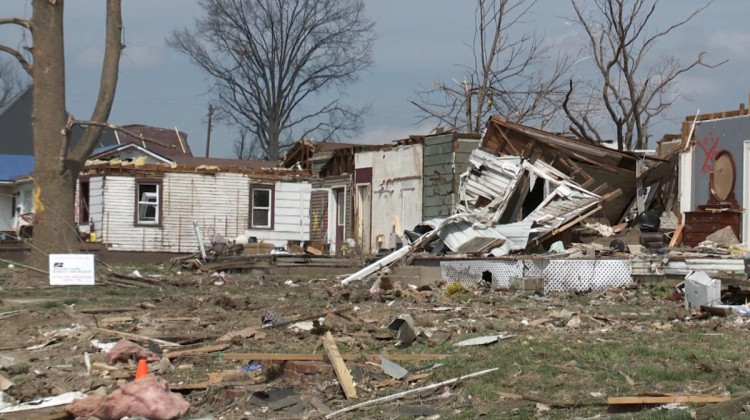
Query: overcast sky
x=419 y=41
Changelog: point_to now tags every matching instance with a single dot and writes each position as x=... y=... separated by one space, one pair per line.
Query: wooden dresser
x=699 y=224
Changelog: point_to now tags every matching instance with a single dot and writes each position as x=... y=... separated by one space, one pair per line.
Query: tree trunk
x=54 y=179
x=54 y=219
x=274 y=133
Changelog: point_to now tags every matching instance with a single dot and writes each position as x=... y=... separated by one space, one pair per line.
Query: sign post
x=71 y=270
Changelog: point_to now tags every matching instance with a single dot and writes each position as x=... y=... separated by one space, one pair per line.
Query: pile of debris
x=529 y=192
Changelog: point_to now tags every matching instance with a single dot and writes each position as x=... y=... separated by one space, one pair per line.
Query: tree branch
x=16 y=21
x=108 y=84
x=25 y=64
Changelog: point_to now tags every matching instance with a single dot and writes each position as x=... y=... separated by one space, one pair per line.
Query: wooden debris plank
x=243 y=333
x=105 y=310
x=9 y=314
x=104 y=366
x=339 y=367
x=179 y=319
x=404 y=394
x=134 y=337
x=195 y=352
x=397 y=357
x=677 y=236
x=213 y=378
x=5 y=383
x=669 y=399
x=116 y=320
x=722 y=312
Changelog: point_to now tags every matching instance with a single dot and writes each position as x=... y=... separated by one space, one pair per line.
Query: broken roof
x=166 y=142
x=595 y=168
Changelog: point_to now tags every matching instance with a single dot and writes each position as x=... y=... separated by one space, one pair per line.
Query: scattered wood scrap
x=555 y=404
x=179 y=319
x=96 y=311
x=400 y=357
x=243 y=333
x=213 y=379
x=9 y=314
x=5 y=383
x=720 y=312
x=116 y=320
x=404 y=394
x=195 y=352
x=134 y=337
x=668 y=399
x=731 y=408
x=677 y=236
x=342 y=372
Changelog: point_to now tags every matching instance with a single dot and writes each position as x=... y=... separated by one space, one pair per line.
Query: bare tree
x=266 y=58
x=56 y=164
x=245 y=148
x=511 y=75
x=11 y=82
x=634 y=86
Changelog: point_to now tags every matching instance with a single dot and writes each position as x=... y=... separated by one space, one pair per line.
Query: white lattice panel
x=469 y=273
x=585 y=275
x=559 y=275
x=534 y=268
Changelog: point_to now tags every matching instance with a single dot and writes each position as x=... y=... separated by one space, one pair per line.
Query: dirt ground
x=565 y=356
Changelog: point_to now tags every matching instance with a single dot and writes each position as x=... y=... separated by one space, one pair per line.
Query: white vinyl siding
x=219 y=203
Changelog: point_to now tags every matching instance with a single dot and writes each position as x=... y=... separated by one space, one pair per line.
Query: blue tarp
x=14 y=166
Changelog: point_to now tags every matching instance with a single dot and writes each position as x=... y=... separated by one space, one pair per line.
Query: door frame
x=364 y=224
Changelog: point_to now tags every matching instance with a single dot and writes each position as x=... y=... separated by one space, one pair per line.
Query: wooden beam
x=134 y=337
x=342 y=372
x=396 y=357
x=677 y=236
x=669 y=399
x=195 y=352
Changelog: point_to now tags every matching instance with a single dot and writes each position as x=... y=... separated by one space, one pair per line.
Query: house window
x=14 y=205
x=261 y=207
x=341 y=210
x=148 y=203
x=83 y=195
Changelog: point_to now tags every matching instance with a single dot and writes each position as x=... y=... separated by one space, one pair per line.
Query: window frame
x=340 y=207
x=271 y=208
x=81 y=201
x=159 y=201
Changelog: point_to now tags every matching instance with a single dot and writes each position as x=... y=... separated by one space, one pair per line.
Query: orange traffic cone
x=142 y=369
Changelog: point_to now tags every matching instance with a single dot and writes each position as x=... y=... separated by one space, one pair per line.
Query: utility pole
x=211 y=110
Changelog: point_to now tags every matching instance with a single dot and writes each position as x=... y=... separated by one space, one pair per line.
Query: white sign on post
x=71 y=270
